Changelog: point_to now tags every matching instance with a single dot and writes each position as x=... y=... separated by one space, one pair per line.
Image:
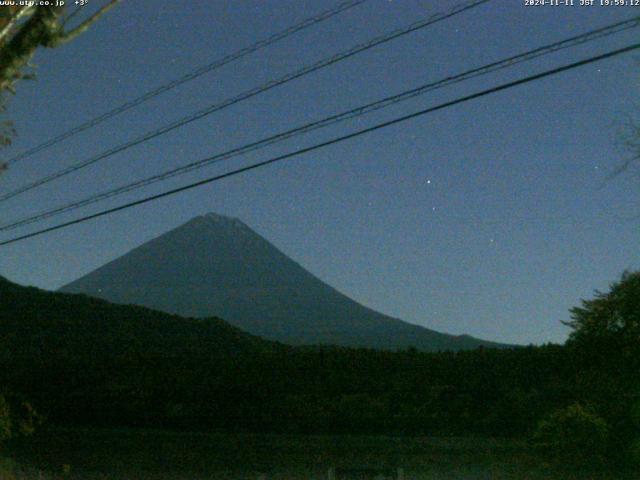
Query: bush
x=635 y=414
x=573 y=433
x=17 y=418
x=5 y=419
x=7 y=469
x=634 y=453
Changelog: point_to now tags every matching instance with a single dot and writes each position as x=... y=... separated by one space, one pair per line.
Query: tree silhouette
x=24 y=29
x=611 y=318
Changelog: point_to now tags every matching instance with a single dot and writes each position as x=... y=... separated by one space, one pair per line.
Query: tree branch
x=37 y=30
x=68 y=18
x=43 y=28
x=13 y=20
x=65 y=37
x=629 y=138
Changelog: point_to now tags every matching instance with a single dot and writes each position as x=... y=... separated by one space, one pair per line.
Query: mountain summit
x=217 y=266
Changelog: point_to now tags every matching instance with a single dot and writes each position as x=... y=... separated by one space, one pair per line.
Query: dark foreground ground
x=144 y=454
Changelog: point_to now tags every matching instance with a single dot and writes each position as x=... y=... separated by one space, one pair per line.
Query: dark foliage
x=84 y=361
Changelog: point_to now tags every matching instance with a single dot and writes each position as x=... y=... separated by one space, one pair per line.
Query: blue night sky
x=491 y=218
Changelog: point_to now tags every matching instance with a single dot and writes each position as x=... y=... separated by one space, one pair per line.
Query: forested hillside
x=85 y=361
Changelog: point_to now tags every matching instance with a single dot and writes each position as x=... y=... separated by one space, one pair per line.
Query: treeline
x=304 y=391
x=83 y=361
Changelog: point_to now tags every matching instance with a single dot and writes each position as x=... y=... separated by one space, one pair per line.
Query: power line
x=308 y=22
x=333 y=119
x=327 y=143
x=248 y=94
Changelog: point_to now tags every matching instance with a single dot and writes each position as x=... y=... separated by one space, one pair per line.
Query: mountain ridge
x=214 y=265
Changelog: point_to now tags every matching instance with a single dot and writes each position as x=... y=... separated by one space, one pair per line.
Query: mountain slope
x=84 y=360
x=217 y=266
x=36 y=323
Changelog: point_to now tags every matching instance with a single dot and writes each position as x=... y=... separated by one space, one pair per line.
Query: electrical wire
x=248 y=94
x=333 y=119
x=308 y=22
x=333 y=141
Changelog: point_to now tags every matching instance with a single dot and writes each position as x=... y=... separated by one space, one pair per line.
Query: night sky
x=491 y=218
